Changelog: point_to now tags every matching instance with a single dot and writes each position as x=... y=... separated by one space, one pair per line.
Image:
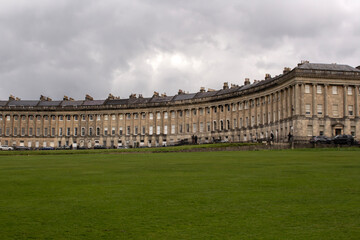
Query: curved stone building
x=311 y=99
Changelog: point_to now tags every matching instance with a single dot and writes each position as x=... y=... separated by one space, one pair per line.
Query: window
x=120 y=131
x=318 y=89
x=349 y=90
x=151 y=116
x=165 y=115
x=309 y=130
x=82 y=131
x=307 y=88
x=187 y=128
x=68 y=117
x=52 y=131
x=241 y=122
x=321 y=130
x=252 y=120
x=194 y=128
x=158 y=116
x=37 y=131
x=180 y=128
x=113 y=117
x=335 y=109
x=7 y=133
x=234 y=107
x=201 y=110
x=173 y=129
x=91 y=117
x=31 y=117
x=143 y=130
x=106 y=117
x=246 y=122
x=136 y=116
x=307 y=109
x=351 y=110
x=38 y=118
x=150 y=130
x=22 y=131
x=187 y=112
x=97 y=131
x=135 y=130
x=352 y=131
x=113 y=131
x=214 y=125
x=15 y=131
x=319 y=109
x=15 y=117
x=180 y=113
x=68 y=132
x=240 y=106
x=194 y=112
x=201 y=127
x=98 y=117
x=157 y=130
x=128 y=130
x=61 y=118
x=105 y=131
x=75 y=117
x=334 y=90
x=45 y=131
x=165 y=129
x=143 y=115
x=121 y=117
x=208 y=126
x=60 y=132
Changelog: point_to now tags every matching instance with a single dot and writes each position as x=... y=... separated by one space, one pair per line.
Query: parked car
x=320 y=139
x=47 y=148
x=99 y=147
x=6 y=148
x=21 y=148
x=344 y=139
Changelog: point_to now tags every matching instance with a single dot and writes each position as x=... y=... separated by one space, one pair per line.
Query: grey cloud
x=96 y=47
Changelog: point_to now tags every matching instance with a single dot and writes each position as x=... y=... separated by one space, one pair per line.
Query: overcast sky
x=73 y=48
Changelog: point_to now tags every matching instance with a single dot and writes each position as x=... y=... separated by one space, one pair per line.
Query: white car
x=6 y=148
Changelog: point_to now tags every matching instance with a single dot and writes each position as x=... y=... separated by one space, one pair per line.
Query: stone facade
x=311 y=99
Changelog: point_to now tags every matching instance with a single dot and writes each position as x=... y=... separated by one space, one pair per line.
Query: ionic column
x=314 y=100
x=356 y=92
x=302 y=96
x=325 y=100
x=296 y=99
x=345 y=101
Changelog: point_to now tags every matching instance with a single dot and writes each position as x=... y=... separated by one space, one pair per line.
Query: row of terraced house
x=310 y=99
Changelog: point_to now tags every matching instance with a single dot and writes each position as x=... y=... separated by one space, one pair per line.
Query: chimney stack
x=11 y=98
x=133 y=95
x=180 y=92
x=202 y=89
x=247 y=81
x=267 y=76
x=286 y=70
x=88 y=97
x=156 y=94
x=226 y=85
x=66 y=98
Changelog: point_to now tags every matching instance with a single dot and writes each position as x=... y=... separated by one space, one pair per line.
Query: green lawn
x=299 y=194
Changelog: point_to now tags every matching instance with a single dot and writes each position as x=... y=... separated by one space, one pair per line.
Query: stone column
x=345 y=101
x=302 y=97
x=356 y=92
x=325 y=100
x=296 y=98
x=314 y=100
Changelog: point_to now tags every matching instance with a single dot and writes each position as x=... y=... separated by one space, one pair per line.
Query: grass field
x=297 y=194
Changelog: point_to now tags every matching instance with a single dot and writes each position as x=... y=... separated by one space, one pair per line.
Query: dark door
x=337 y=131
